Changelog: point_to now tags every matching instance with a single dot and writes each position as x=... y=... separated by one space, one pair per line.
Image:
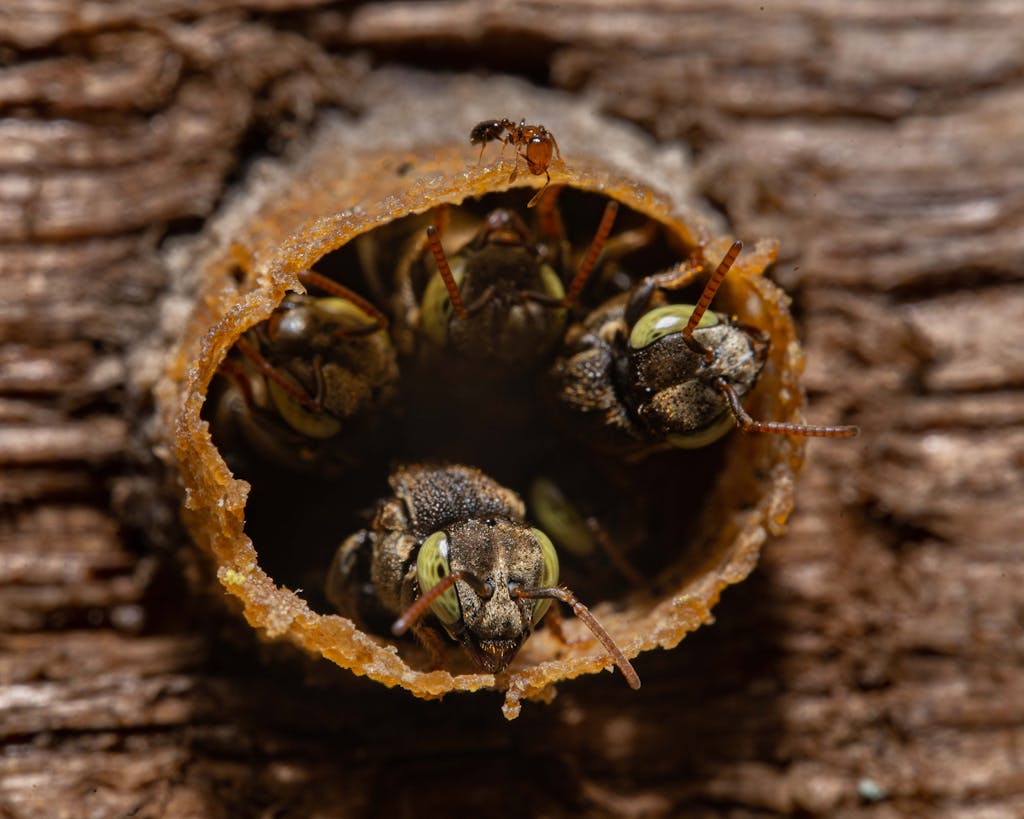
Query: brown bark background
x=872 y=666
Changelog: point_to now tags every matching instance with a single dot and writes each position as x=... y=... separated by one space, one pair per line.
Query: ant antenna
x=563 y=595
x=596 y=246
x=748 y=424
x=705 y=301
x=423 y=602
x=446 y=273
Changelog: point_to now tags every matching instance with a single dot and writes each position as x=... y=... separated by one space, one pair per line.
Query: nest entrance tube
x=706 y=513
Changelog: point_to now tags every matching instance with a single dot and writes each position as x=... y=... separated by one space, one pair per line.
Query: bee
x=316 y=370
x=451 y=556
x=538 y=146
x=501 y=298
x=641 y=374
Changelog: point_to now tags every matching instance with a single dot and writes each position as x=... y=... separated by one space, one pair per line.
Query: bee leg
x=553 y=621
x=434 y=644
x=621 y=245
x=615 y=555
x=406 y=306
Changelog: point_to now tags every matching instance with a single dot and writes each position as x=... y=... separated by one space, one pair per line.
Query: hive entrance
x=703 y=514
x=494 y=417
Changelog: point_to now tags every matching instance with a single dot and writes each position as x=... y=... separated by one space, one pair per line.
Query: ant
x=539 y=144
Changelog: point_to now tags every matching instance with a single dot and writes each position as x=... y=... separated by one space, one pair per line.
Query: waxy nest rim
x=356 y=191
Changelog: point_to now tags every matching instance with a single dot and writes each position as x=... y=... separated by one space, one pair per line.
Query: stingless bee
x=450 y=555
x=501 y=297
x=317 y=369
x=641 y=374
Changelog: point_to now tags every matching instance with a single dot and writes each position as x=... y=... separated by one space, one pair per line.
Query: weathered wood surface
x=873 y=665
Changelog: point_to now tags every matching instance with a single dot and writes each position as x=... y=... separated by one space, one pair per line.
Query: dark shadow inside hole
x=496 y=418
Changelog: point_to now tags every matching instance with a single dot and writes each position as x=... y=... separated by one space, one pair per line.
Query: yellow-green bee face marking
x=549 y=574
x=431 y=568
x=664 y=321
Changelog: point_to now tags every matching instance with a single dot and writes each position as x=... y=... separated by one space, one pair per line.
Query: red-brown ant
x=538 y=143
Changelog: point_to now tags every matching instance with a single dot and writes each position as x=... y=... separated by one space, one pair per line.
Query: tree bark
x=872 y=666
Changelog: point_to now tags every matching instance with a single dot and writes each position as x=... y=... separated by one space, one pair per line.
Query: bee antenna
x=563 y=595
x=748 y=424
x=596 y=246
x=705 y=300
x=311 y=277
x=422 y=603
x=446 y=273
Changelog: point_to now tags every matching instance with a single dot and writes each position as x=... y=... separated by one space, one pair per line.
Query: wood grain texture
x=872 y=666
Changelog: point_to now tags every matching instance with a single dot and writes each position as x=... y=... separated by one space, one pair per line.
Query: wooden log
x=872 y=666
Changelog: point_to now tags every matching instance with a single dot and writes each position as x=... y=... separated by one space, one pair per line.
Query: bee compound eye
x=432 y=567
x=549 y=572
x=664 y=321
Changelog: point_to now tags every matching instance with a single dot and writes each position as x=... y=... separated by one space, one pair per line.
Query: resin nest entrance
x=683 y=523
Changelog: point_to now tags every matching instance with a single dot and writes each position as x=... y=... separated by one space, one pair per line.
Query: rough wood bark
x=874 y=663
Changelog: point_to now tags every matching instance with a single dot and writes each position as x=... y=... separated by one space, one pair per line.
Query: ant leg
x=504 y=144
x=705 y=300
x=537 y=196
x=593 y=252
x=554 y=144
x=748 y=424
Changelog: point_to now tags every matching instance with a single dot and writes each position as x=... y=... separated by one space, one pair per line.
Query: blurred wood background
x=872 y=666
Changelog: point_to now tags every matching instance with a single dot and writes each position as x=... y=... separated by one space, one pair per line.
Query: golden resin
x=349 y=182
